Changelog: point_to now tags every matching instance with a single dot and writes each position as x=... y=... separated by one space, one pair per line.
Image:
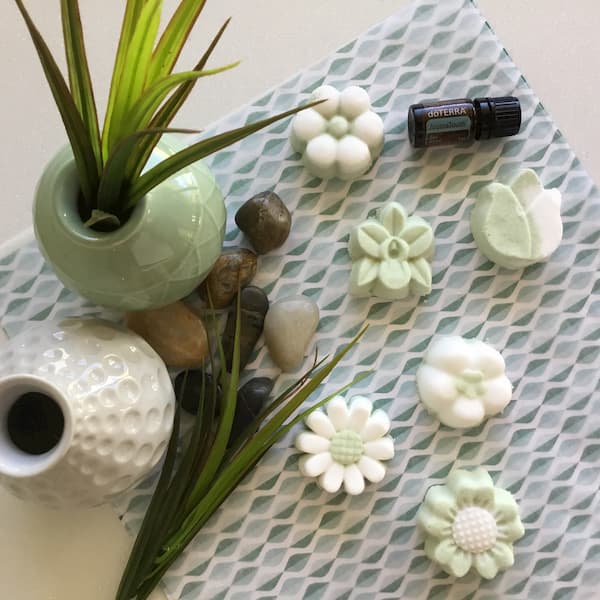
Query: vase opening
x=35 y=423
x=35 y=426
x=106 y=226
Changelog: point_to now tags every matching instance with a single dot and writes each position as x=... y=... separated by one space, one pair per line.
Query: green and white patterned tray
x=279 y=535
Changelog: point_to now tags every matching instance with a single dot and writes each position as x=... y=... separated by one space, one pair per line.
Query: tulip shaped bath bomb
x=341 y=137
x=470 y=524
x=519 y=225
x=462 y=382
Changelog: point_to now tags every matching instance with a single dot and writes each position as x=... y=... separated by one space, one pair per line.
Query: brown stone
x=265 y=220
x=174 y=331
x=234 y=268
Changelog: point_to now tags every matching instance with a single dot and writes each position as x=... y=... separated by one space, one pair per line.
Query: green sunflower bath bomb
x=518 y=225
x=469 y=523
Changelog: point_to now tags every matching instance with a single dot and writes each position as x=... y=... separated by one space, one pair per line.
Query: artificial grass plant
x=145 y=95
x=193 y=485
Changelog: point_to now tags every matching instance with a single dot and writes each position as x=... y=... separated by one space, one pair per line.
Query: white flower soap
x=461 y=382
x=469 y=523
x=341 y=137
x=346 y=445
x=519 y=225
x=391 y=255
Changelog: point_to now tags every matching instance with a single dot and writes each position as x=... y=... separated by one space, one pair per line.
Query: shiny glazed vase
x=86 y=411
x=164 y=250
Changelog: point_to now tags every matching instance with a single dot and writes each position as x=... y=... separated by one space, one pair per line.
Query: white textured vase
x=117 y=406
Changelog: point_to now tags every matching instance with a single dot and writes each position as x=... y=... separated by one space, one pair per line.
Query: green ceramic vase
x=165 y=249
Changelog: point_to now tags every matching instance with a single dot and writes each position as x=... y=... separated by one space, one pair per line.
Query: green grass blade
x=141 y=113
x=195 y=152
x=133 y=9
x=80 y=81
x=219 y=447
x=135 y=69
x=113 y=179
x=173 y=38
x=139 y=558
x=76 y=131
x=167 y=112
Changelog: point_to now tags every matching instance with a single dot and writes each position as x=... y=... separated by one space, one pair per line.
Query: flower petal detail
x=337 y=411
x=444 y=551
x=460 y=563
x=331 y=480
x=311 y=443
x=440 y=500
x=418 y=235
x=485 y=564
x=394 y=275
x=433 y=524
x=360 y=410
x=503 y=555
x=307 y=125
x=393 y=218
x=377 y=425
x=315 y=464
x=372 y=469
x=319 y=422
x=421 y=279
x=465 y=412
x=364 y=273
x=361 y=244
x=381 y=449
x=497 y=395
x=472 y=487
x=374 y=230
x=354 y=482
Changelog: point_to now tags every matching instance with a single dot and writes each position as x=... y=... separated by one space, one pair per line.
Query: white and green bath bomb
x=518 y=225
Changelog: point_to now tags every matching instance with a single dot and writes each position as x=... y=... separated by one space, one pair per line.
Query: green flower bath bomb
x=469 y=523
x=518 y=225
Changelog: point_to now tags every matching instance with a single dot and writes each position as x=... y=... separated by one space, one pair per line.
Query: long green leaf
x=167 y=112
x=139 y=556
x=141 y=113
x=133 y=8
x=113 y=177
x=76 y=131
x=195 y=152
x=135 y=69
x=173 y=38
x=80 y=81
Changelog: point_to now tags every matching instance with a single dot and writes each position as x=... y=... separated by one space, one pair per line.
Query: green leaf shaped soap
x=518 y=225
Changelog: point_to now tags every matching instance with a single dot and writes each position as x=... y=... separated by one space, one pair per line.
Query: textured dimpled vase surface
x=117 y=406
x=279 y=535
x=165 y=249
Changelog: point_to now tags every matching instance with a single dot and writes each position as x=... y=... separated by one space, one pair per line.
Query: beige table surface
x=47 y=555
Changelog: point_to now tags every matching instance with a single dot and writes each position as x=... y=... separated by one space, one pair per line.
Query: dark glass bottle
x=463 y=120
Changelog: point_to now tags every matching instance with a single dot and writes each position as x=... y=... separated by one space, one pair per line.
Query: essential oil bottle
x=463 y=120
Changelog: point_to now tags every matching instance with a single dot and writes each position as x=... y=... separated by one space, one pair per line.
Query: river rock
x=265 y=220
x=174 y=331
x=251 y=398
x=254 y=305
x=233 y=270
x=189 y=396
x=289 y=326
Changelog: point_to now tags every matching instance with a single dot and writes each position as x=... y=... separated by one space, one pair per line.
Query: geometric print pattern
x=279 y=535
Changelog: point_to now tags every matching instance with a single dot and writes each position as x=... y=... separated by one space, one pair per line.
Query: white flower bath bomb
x=341 y=137
x=346 y=445
x=461 y=382
x=519 y=225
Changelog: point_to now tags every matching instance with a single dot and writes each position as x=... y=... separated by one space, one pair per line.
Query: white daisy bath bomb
x=519 y=225
x=341 y=137
x=346 y=445
x=470 y=524
x=461 y=382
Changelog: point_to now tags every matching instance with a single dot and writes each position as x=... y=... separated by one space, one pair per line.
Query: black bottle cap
x=498 y=117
